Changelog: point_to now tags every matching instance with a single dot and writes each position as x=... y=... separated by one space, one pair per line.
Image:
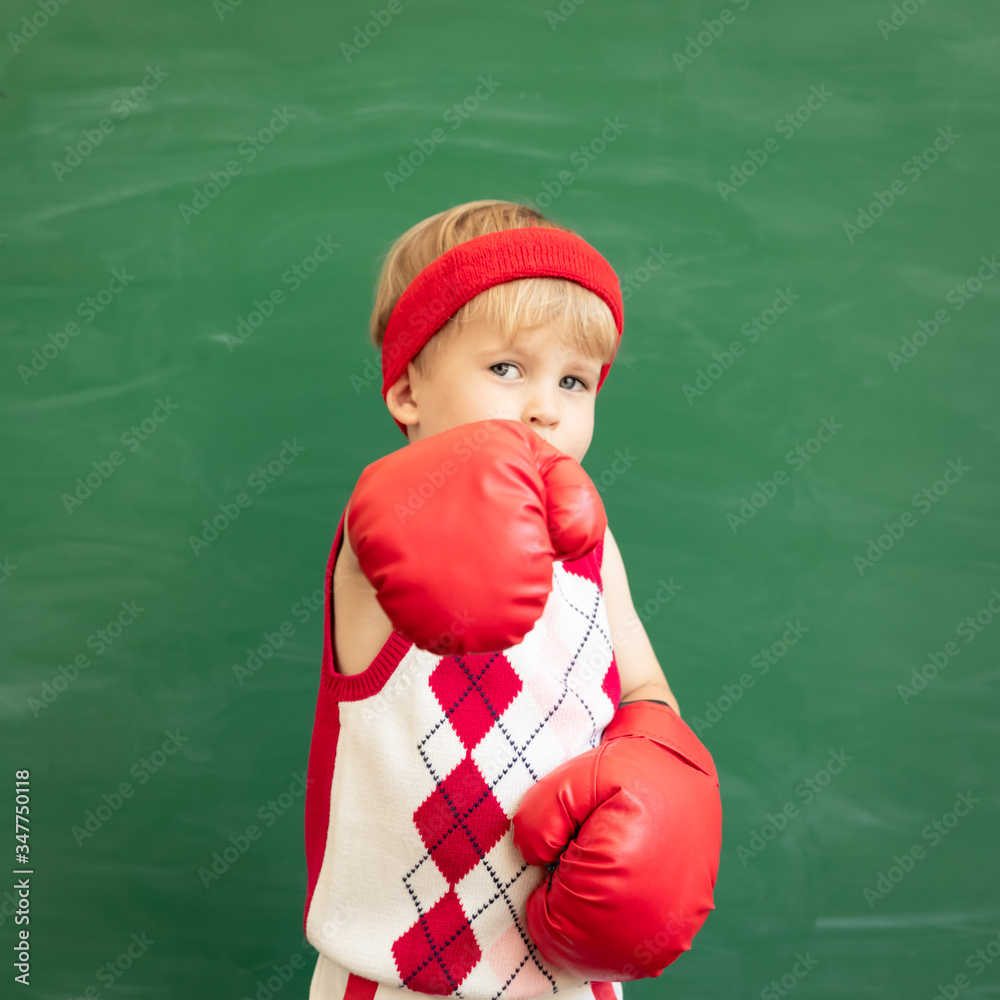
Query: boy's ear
x=400 y=399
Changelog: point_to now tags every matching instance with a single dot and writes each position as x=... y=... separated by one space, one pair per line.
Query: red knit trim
x=603 y=991
x=322 y=760
x=359 y=988
x=371 y=680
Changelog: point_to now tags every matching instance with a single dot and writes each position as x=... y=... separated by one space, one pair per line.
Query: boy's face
x=540 y=381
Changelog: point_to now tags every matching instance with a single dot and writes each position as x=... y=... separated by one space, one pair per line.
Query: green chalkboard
x=800 y=200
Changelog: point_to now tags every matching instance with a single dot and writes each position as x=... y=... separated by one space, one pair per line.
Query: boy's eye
x=507 y=364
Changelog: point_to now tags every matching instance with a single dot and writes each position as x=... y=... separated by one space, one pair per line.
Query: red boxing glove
x=458 y=532
x=631 y=833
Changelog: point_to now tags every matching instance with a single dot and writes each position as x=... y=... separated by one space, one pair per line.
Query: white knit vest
x=416 y=767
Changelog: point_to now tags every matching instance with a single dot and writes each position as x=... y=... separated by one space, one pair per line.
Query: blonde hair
x=511 y=307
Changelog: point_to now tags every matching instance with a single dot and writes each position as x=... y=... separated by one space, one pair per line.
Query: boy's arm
x=640 y=672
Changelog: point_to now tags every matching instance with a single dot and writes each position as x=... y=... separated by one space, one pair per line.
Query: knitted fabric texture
x=416 y=768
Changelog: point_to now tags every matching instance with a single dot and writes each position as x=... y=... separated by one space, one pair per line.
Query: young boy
x=502 y=800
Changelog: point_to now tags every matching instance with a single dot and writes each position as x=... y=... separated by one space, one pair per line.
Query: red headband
x=462 y=272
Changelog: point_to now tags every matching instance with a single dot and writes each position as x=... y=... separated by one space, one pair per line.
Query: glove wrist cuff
x=658 y=722
x=643 y=717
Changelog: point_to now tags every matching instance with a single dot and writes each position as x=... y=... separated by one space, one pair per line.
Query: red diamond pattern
x=460 y=821
x=438 y=951
x=612 y=683
x=462 y=685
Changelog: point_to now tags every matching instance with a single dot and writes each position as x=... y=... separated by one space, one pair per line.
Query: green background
x=308 y=375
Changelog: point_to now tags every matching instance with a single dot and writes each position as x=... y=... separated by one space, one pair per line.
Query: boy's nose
x=541 y=410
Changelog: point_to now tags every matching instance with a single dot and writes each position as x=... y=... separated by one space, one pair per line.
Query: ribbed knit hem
x=371 y=680
x=351 y=687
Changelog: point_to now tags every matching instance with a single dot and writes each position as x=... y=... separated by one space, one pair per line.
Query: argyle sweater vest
x=416 y=767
